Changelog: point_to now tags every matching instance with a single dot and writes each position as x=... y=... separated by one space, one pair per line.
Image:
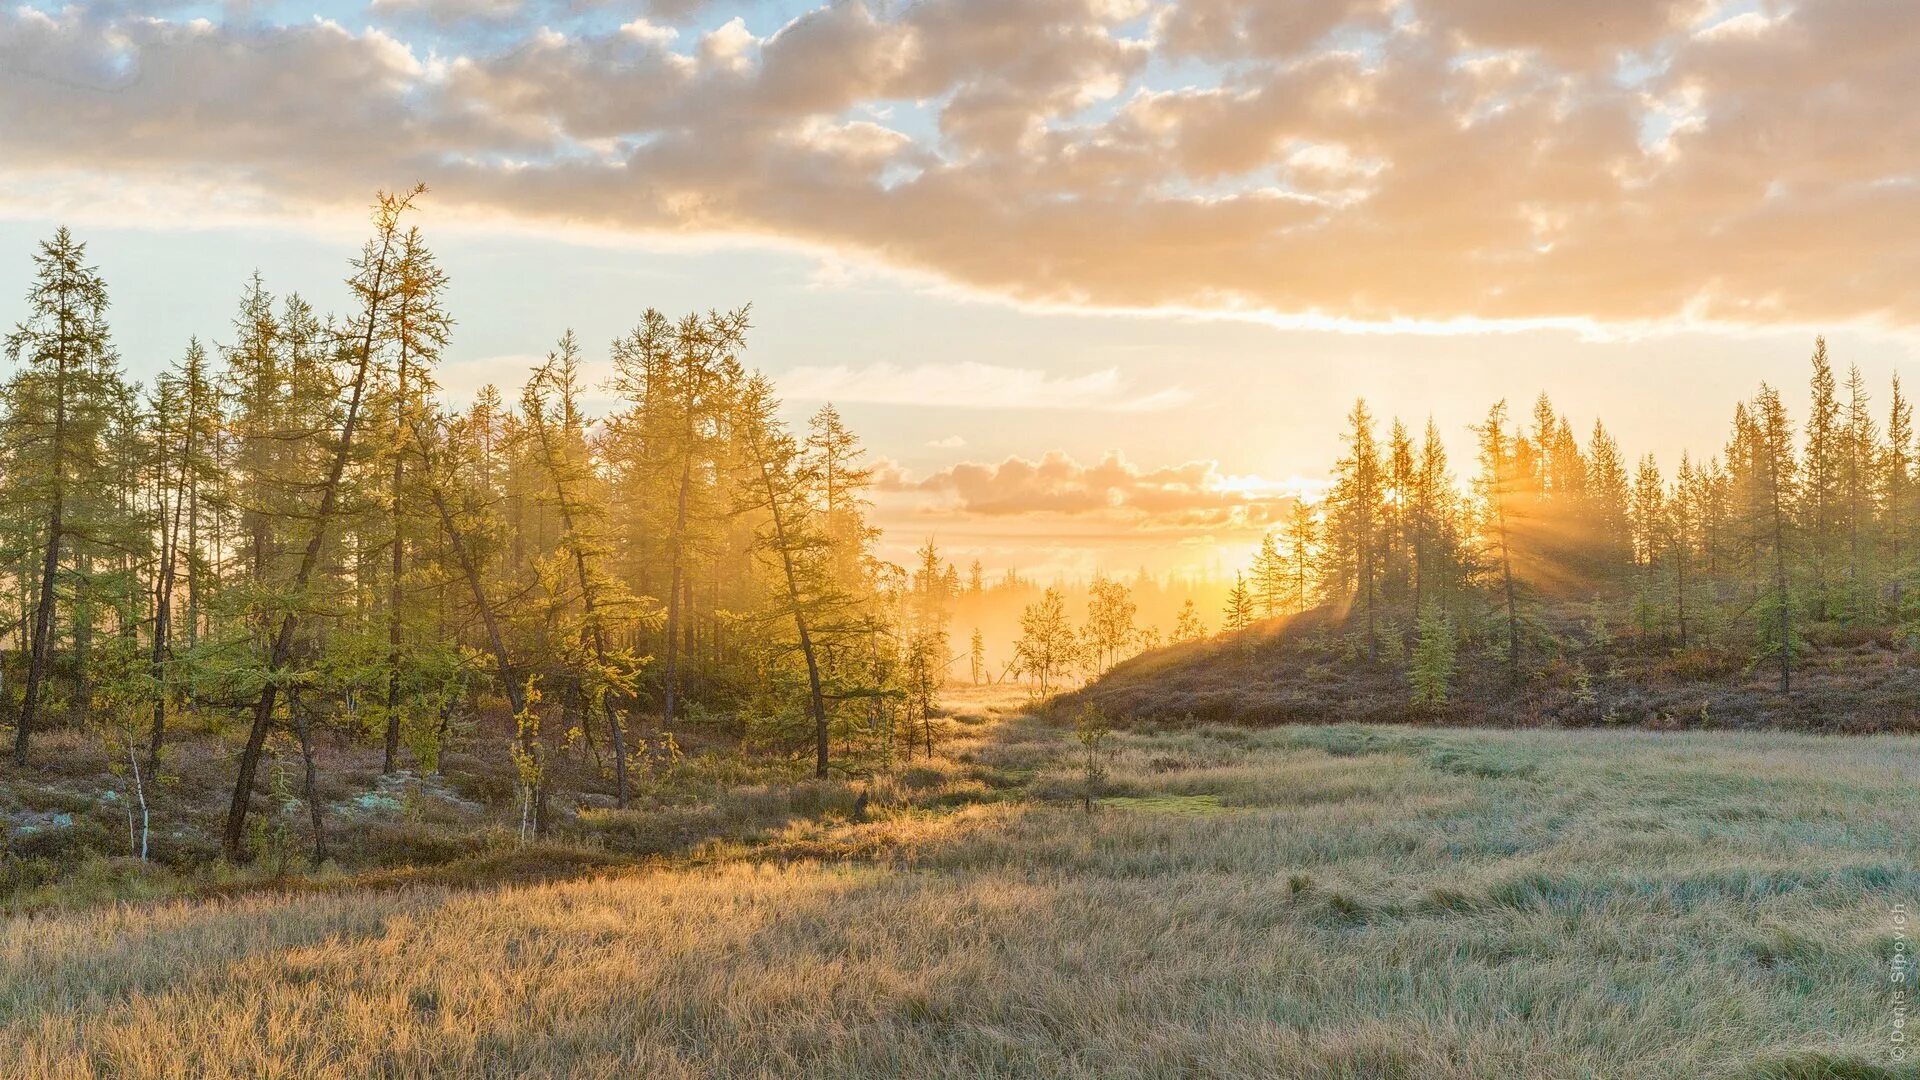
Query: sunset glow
x=1097 y=277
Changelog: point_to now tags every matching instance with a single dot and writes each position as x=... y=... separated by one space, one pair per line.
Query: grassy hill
x=1312 y=669
x=1308 y=901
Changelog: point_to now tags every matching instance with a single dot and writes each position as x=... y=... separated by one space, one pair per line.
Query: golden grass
x=1355 y=903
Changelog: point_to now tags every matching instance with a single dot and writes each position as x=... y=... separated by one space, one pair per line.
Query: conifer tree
x=1684 y=512
x=415 y=333
x=186 y=435
x=1822 y=494
x=1354 y=528
x=1859 y=484
x=59 y=405
x=1270 y=578
x=1900 y=508
x=1497 y=482
x=372 y=285
x=562 y=447
x=1300 y=556
x=1776 y=479
x=1609 y=500
x=1649 y=517
x=1431 y=674
x=1239 y=610
x=793 y=540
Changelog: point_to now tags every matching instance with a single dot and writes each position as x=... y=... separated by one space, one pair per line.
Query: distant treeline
x=1755 y=548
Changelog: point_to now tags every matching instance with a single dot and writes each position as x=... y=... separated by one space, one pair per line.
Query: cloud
x=973 y=385
x=447 y=12
x=1619 y=161
x=951 y=442
x=1188 y=496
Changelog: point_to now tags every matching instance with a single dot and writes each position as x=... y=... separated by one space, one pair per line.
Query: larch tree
x=58 y=407
x=1496 y=484
x=551 y=410
x=372 y=286
x=1354 y=528
x=1776 y=477
x=1822 y=493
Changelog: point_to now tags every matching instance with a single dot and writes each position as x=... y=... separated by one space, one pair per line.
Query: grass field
x=1298 y=902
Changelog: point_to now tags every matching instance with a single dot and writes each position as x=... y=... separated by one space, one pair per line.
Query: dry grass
x=1307 y=902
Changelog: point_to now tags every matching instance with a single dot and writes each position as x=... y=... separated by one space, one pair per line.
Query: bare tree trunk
x=42 y=633
x=308 y=791
x=395 y=594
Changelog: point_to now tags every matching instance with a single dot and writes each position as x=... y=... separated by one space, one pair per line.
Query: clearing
x=1301 y=902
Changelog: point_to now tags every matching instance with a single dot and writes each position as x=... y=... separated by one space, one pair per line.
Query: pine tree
x=186 y=435
x=59 y=405
x=678 y=382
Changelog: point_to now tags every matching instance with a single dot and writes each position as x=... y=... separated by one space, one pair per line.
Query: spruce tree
x=1433 y=664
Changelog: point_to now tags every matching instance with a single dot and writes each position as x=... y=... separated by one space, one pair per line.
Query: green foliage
x=1432 y=668
x=1092 y=728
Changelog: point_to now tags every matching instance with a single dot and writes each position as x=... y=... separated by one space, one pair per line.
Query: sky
x=1096 y=280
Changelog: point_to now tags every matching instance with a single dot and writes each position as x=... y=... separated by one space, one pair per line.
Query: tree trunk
x=395 y=595
x=303 y=730
x=816 y=700
x=42 y=633
x=673 y=591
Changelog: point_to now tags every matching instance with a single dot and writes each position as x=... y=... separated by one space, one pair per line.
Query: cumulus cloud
x=1195 y=494
x=972 y=385
x=1359 y=159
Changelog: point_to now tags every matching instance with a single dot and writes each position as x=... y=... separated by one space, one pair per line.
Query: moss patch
x=1168 y=804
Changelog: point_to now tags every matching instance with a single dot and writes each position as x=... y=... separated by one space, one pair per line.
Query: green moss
x=1167 y=804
